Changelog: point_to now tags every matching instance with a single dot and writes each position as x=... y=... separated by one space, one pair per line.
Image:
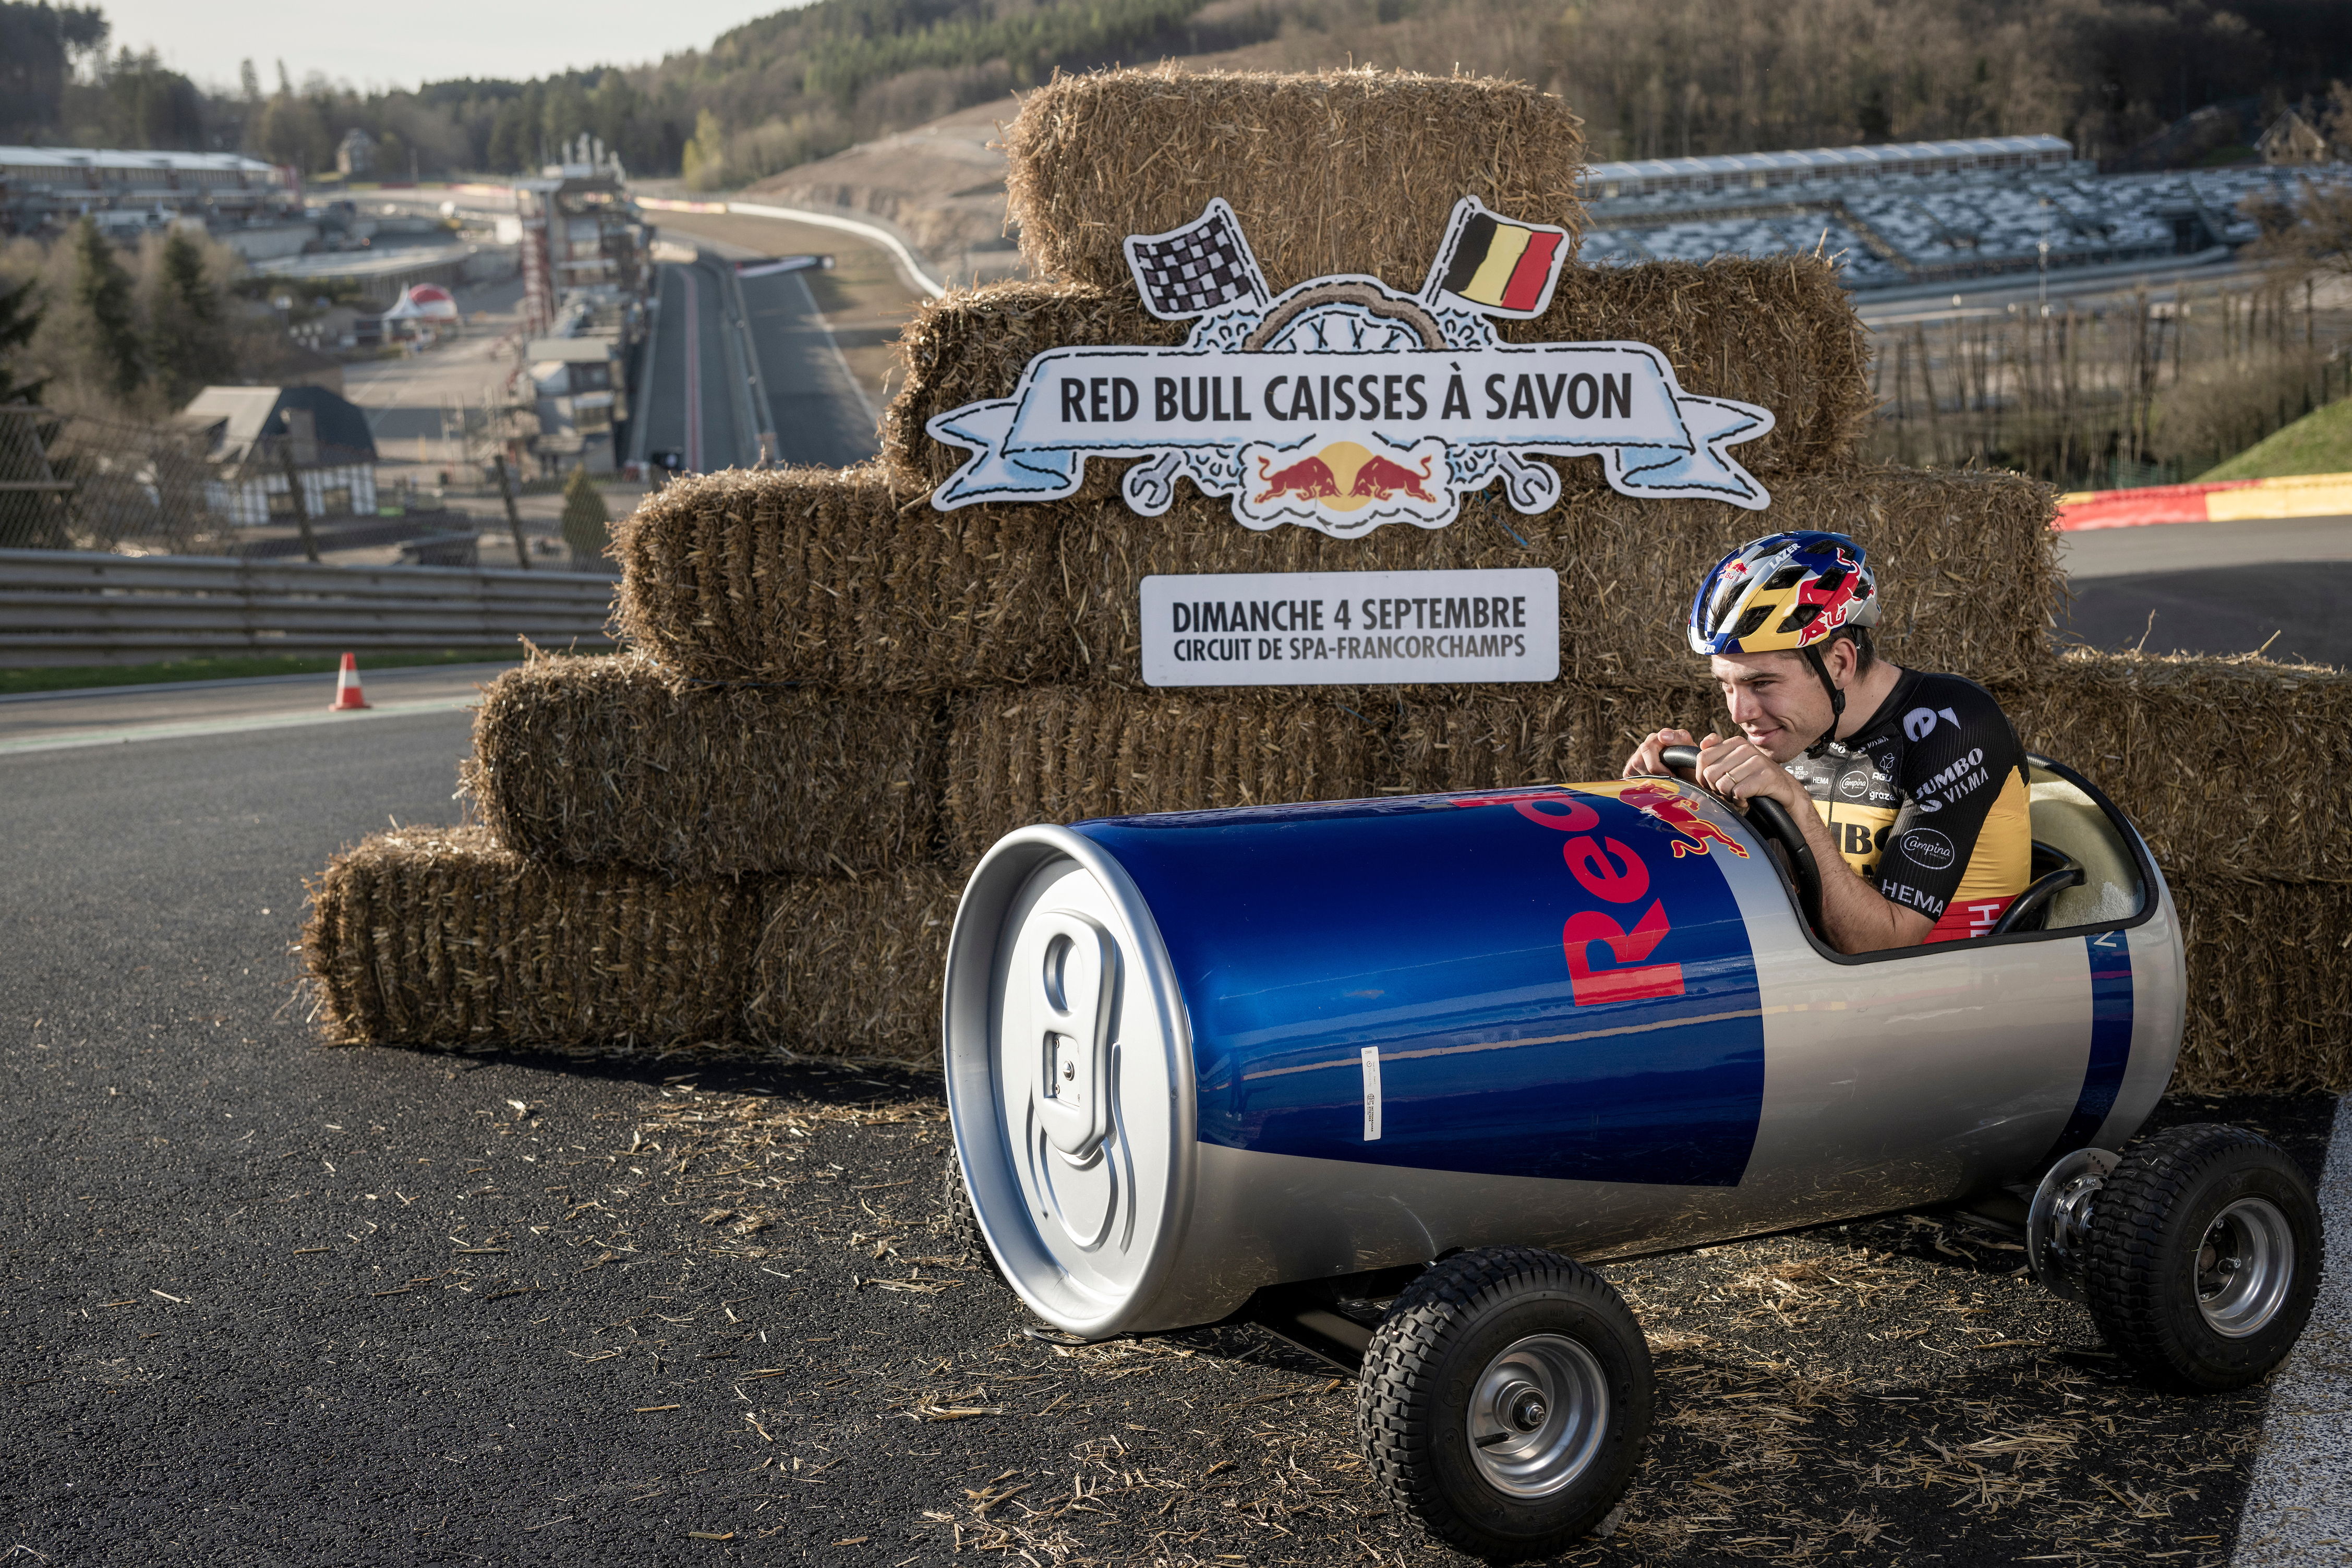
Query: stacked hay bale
x=754 y=824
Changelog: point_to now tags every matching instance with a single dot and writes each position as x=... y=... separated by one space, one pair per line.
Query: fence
x=2120 y=391
x=62 y=607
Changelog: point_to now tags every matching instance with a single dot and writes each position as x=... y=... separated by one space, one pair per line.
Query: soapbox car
x=1382 y=1075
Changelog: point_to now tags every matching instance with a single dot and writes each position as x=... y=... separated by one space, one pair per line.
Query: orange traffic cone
x=347 y=688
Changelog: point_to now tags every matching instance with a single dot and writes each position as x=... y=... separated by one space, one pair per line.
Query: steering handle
x=1772 y=821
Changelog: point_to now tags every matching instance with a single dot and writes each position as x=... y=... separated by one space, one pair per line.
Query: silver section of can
x=1907 y=1079
x=1069 y=1070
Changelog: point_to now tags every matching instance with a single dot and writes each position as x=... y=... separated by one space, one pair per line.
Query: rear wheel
x=1505 y=1401
x=2204 y=1258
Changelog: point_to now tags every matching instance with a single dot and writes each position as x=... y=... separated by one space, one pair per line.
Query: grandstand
x=1927 y=212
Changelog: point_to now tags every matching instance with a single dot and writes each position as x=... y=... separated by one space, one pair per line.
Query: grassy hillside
x=2318 y=443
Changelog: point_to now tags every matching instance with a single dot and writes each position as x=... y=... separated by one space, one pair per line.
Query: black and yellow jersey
x=1927 y=802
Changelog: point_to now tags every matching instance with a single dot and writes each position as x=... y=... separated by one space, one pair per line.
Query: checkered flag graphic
x=1205 y=265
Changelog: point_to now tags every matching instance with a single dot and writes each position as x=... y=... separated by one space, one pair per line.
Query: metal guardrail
x=62 y=606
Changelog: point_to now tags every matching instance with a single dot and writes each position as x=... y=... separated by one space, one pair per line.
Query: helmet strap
x=1837 y=701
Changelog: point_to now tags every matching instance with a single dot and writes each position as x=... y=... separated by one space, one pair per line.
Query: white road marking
x=233 y=725
x=2299 y=1505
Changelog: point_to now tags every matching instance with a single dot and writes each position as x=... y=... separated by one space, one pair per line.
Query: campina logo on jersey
x=1928 y=848
x=1341 y=404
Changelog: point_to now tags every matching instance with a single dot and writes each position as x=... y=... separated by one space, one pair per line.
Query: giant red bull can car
x=1385 y=1075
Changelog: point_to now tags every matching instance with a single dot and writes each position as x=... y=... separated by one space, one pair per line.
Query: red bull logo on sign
x=1346 y=477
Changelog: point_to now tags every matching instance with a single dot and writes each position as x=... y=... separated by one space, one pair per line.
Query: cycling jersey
x=1927 y=802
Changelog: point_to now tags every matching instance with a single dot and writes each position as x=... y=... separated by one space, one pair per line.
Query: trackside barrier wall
x=71 y=607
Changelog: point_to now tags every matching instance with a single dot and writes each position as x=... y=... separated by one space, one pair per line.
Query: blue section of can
x=2111 y=1033
x=1559 y=983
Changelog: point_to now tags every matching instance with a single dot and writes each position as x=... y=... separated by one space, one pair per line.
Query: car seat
x=2071 y=822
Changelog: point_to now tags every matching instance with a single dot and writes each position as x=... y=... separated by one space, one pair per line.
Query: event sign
x=1341 y=404
x=1351 y=628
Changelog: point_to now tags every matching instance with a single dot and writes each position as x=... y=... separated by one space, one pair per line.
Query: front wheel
x=1505 y=1401
x=2204 y=1258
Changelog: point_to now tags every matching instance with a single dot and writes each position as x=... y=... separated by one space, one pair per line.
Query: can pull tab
x=1077 y=979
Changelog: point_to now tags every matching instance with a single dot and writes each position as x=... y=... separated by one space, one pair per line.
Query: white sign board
x=1351 y=628
x=1343 y=403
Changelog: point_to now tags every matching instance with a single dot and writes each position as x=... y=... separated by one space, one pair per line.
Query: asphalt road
x=820 y=415
x=696 y=408
x=693 y=407
x=2215 y=588
x=51 y=721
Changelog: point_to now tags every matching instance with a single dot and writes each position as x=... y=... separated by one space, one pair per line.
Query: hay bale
x=1063 y=754
x=2228 y=766
x=1965 y=559
x=617 y=762
x=1778 y=332
x=852 y=966
x=1336 y=170
x=826 y=577
x=2270 y=986
x=438 y=937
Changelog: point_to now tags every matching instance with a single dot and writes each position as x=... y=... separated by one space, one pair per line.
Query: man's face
x=1776 y=700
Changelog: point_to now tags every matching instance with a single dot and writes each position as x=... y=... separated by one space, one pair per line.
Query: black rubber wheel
x=2204 y=1258
x=960 y=1225
x=1505 y=1401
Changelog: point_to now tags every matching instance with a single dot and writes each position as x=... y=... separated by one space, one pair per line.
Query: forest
x=1652 y=78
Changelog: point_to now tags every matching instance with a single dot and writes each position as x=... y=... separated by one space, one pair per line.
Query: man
x=1915 y=782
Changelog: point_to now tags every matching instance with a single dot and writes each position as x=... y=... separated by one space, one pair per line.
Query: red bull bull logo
x=1309 y=478
x=1349 y=484
x=1665 y=805
x=1378 y=478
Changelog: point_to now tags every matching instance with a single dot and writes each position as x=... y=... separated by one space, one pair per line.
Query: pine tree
x=20 y=317
x=102 y=294
x=190 y=341
x=586 y=523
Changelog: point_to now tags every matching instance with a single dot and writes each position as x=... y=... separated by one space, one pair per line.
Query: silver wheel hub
x=1537 y=1414
x=2245 y=1266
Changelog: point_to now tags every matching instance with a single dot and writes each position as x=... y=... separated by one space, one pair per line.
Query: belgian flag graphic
x=1497 y=265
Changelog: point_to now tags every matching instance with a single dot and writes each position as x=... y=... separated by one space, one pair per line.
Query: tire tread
x=2123 y=1283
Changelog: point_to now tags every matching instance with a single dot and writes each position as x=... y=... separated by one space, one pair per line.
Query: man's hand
x=1645 y=760
x=1736 y=769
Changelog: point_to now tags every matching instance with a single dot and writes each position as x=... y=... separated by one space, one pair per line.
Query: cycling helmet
x=1787 y=592
x=1783 y=593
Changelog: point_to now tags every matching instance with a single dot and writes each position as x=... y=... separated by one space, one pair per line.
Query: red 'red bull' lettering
x=1380 y=478
x=1311 y=478
x=1610 y=870
x=1665 y=805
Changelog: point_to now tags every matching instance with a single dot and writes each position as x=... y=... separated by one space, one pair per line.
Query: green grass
x=69 y=677
x=2318 y=443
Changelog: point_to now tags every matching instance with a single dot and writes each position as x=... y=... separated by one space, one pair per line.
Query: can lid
x=1069 y=1073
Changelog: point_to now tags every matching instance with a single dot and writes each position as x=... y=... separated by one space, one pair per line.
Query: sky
x=424 y=40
